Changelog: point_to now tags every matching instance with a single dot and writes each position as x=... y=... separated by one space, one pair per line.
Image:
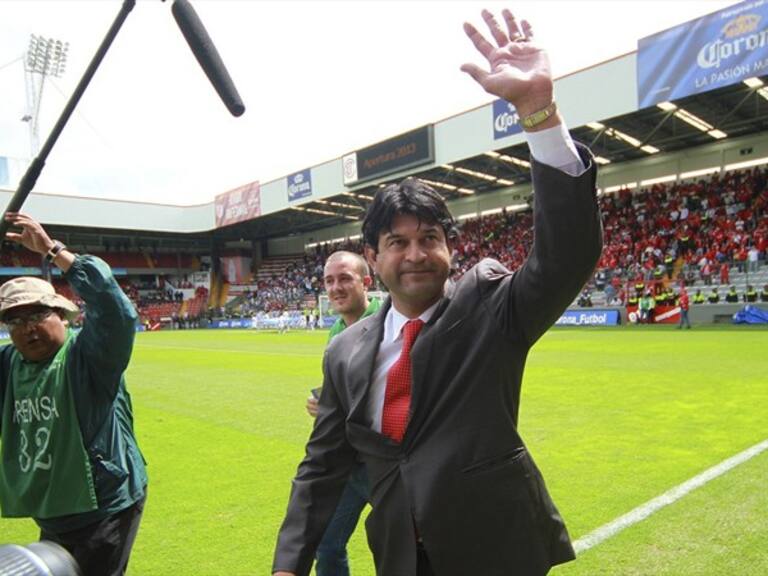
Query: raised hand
x=33 y=236
x=519 y=70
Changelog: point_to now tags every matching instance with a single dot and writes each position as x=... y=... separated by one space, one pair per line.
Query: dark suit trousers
x=423 y=567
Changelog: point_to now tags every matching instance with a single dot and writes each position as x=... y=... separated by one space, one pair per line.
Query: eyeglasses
x=29 y=319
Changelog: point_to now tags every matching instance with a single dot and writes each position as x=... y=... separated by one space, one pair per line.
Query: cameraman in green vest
x=70 y=460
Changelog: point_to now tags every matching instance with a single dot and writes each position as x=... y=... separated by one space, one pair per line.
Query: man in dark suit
x=427 y=391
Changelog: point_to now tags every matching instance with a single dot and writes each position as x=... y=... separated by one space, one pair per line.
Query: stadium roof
x=736 y=110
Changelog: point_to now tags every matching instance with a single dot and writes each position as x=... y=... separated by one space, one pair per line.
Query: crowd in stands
x=289 y=290
x=695 y=231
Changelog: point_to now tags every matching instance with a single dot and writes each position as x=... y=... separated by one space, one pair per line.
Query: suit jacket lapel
x=361 y=364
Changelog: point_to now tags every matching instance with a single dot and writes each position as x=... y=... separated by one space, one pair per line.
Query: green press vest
x=45 y=471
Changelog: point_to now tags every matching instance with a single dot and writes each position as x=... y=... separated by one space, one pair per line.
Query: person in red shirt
x=725 y=275
x=684 y=305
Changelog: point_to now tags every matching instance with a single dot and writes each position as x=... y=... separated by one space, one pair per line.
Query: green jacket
x=339 y=326
x=95 y=363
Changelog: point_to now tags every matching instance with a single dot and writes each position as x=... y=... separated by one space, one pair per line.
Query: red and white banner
x=236 y=269
x=660 y=315
x=243 y=203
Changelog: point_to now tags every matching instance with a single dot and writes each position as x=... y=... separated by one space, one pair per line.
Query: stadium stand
x=704 y=224
x=711 y=232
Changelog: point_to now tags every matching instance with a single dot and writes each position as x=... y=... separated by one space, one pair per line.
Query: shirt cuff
x=554 y=147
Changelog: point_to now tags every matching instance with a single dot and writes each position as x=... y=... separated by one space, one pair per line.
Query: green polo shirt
x=339 y=326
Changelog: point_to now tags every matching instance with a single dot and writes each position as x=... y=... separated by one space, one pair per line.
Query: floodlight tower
x=45 y=57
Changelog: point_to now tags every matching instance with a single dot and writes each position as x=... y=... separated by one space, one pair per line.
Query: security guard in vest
x=669 y=264
x=713 y=297
x=732 y=297
x=671 y=296
x=750 y=295
x=764 y=294
x=698 y=298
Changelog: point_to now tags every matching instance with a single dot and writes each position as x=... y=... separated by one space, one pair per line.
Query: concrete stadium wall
x=717 y=313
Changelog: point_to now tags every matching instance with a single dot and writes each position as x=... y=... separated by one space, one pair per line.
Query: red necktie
x=397 y=396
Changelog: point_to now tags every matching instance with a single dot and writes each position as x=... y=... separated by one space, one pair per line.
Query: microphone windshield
x=207 y=55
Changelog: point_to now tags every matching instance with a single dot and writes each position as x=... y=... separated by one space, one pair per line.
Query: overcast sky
x=318 y=79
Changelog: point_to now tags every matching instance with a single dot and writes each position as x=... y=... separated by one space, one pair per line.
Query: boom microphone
x=207 y=55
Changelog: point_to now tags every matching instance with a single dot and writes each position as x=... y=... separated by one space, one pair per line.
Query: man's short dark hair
x=409 y=197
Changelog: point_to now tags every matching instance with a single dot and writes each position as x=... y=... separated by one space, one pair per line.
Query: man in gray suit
x=427 y=391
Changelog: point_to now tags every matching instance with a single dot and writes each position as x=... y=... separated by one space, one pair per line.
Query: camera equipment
x=37 y=559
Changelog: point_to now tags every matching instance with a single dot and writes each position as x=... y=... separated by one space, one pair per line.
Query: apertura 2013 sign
x=411 y=149
x=716 y=50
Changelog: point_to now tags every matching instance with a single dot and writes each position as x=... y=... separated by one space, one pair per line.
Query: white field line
x=670 y=496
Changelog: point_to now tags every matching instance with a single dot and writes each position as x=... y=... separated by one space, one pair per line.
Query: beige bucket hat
x=28 y=291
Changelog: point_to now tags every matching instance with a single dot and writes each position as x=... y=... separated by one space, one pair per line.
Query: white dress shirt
x=553 y=147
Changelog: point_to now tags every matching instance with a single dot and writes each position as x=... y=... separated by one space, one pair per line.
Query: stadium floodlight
x=318 y=211
x=700 y=172
x=339 y=204
x=602 y=160
x=595 y=125
x=763 y=92
x=619 y=135
x=622 y=136
x=476 y=174
x=617 y=187
x=658 y=180
x=435 y=184
x=754 y=82
x=517 y=207
x=746 y=164
x=694 y=120
x=509 y=159
x=45 y=58
x=666 y=106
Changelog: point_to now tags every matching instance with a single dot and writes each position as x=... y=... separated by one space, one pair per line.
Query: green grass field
x=614 y=417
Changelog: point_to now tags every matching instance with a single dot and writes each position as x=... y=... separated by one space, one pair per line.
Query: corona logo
x=740 y=36
x=744 y=24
